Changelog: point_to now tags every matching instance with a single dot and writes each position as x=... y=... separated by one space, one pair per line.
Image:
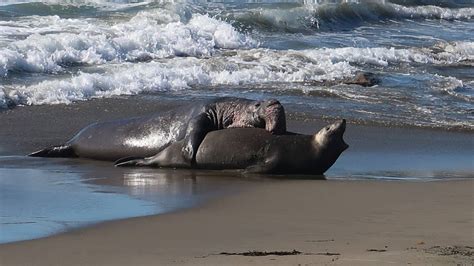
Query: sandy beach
x=338 y=221
x=330 y=222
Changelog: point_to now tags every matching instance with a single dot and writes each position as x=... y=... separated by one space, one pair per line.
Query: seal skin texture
x=149 y=135
x=258 y=151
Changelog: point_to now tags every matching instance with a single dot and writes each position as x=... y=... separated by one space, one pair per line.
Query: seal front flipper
x=55 y=151
x=266 y=167
x=258 y=169
x=197 y=129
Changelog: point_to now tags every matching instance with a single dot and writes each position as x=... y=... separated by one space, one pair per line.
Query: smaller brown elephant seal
x=258 y=151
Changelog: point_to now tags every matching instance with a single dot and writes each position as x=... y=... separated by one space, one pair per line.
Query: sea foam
x=148 y=35
x=3 y=99
x=252 y=67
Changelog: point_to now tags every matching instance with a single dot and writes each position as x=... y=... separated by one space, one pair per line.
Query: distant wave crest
x=312 y=17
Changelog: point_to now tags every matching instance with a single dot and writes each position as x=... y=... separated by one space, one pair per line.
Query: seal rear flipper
x=150 y=162
x=129 y=161
x=55 y=151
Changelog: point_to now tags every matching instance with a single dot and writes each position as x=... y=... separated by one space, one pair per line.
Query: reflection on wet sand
x=41 y=196
x=142 y=183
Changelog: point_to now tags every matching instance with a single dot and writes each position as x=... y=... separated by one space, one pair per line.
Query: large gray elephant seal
x=148 y=135
x=258 y=151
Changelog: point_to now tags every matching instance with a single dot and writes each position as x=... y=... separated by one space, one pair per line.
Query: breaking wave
x=344 y=16
x=65 y=9
x=52 y=43
x=238 y=68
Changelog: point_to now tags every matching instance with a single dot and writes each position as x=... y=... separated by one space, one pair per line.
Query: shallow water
x=407 y=154
x=40 y=197
x=421 y=54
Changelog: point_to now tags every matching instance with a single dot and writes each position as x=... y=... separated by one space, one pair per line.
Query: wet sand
x=336 y=221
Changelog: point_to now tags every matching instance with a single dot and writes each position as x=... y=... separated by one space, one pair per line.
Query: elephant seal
x=257 y=151
x=148 y=135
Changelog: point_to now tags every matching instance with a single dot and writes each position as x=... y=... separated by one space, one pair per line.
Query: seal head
x=274 y=116
x=332 y=136
x=330 y=142
x=268 y=114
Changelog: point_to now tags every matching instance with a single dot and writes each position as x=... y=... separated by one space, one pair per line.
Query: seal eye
x=257 y=105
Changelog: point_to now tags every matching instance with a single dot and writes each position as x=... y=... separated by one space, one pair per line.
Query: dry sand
x=400 y=221
x=330 y=222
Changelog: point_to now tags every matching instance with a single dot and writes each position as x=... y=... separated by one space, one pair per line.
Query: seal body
x=140 y=136
x=258 y=151
x=149 y=135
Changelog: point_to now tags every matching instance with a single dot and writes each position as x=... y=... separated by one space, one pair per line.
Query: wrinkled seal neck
x=275 y=119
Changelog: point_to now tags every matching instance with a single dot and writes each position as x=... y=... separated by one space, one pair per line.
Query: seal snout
x=342 y=125
x=341 y=128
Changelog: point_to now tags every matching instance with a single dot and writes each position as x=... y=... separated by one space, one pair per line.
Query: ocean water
x=421 y=52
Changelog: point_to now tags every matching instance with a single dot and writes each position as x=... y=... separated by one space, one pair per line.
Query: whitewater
x=421 y=54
